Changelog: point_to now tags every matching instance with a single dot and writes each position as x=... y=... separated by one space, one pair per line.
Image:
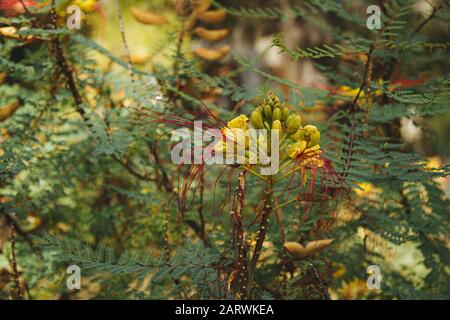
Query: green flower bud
x=276 y=124
x=268 y=113
x=312 y=136
x=299 y=135
x=276 y=114
x=256 y=120
x=266 y=125
x=285 y=114
x=293 y=123
x=275 y=98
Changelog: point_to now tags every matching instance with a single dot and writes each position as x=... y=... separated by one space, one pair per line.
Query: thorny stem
x=237 y=221
x=21 y=232
x=266 y=211
x=14 y=262
x=65 y=68
x=323 y=288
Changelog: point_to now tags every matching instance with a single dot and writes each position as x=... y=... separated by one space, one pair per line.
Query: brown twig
x=425 y=22
x=264 y=225
x=65 y=68
x=124 y=40
x=237 y=221
x=14 y=262
x=323 y=288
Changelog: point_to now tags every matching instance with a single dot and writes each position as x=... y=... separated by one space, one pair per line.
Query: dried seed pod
x=138 y=59
x=313 y=247
x=211 y=35
x=256 y=120
x=317 y=245
x=212 y=16
x=146 y=17
x=8 y=110
x=294 y=248
x=212 y=54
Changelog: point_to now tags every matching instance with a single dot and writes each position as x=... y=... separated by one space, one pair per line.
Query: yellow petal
x=239 y=122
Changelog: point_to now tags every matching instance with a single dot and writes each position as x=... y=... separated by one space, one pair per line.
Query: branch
x=14 y=262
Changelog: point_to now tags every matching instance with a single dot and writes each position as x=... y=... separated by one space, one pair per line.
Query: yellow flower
x=233 y=138
x=368 y=189
x=86 y=5
x=350 y=92
x=296 y=149
x=238 y=122
x=300 y=148
x=314 y=161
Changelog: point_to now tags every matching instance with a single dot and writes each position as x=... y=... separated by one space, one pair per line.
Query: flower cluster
x=295 y=142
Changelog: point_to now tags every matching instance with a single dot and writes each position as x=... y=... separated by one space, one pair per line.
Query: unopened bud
x=293 y=123
x=276 y=114
x=268 y=113
x=299 y=135
x=276 y=124
x=256 y=120
x=285 y=114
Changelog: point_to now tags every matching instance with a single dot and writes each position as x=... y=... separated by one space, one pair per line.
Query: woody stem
x=267 y=209
x=239 y=239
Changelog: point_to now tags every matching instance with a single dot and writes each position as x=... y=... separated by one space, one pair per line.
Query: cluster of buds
x=272 y=114
x=293 y=143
